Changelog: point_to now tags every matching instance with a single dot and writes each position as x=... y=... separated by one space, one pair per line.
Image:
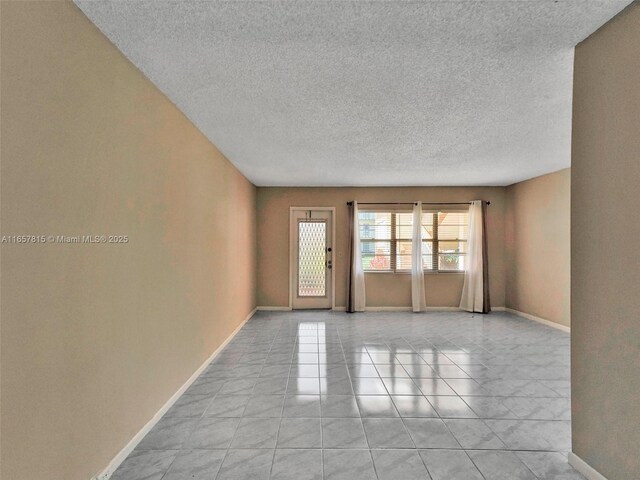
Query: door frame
x=292 y=254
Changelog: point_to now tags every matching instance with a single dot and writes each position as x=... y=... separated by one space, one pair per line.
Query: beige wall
x=96 y=338
x=605 y=233
x=383 y=289
x=537 y=246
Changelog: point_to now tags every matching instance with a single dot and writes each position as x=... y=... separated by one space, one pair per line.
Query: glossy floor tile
x=399 y=464
x=330 y=396
x=297 y=465
x=450 y=465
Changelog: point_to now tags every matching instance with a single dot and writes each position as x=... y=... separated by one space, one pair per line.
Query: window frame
x=393 y=242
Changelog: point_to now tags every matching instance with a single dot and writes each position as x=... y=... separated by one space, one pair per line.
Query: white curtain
x=417 y=271
x=357 y=272
x=472 y=298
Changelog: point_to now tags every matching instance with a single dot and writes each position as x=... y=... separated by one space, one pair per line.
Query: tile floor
x=328 y=395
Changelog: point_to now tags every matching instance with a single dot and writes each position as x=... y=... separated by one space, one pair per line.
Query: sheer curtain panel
x=356 y=294
x=475 y=291
x=418 y=300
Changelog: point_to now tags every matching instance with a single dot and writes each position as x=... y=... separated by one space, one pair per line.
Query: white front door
x=311 y=258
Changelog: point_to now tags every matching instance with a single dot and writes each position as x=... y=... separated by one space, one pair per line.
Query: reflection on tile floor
x=328 y=395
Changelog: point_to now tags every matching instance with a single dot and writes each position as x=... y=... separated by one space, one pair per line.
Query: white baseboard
x=267 y=308
x=584 y=468
x=544 y=321
x=410 y=309
x=387 y=309
x=124 y=453
x=400 y=309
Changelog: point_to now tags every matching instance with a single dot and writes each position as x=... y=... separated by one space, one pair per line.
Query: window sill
x=442 y=272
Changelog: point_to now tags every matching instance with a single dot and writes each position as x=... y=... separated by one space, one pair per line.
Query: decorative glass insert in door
x=312 y=244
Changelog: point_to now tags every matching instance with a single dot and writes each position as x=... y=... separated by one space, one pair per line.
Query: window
x=386 y=237
x=376 y=240
x=444 y=240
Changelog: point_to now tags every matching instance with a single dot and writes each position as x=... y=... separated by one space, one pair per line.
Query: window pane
x=453 y=232
x=453 y=225
x=403 y=255
x=375 y=225
x=427 y=225
x=404 y=226
x=404 y=232
x=403 y=262
x=452 y=247
x=312 y=238
x=376 y=262
x=453 y=218
x=451 y=261
x=405 y=218
x=403 y=248
x=375 y=247
x=427 y=255
x=376 y=255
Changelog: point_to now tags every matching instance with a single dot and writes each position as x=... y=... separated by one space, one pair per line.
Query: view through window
x=386 y=238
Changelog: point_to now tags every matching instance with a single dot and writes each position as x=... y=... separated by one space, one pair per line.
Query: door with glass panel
x=311 y=258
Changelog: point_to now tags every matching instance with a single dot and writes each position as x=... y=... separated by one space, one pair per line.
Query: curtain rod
x=414 y=203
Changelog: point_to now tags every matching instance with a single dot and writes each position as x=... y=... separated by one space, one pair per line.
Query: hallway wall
x=538 y=247
x=97 y=337
x=605 y=265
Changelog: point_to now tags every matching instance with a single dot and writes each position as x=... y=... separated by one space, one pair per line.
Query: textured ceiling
x=467 y=92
